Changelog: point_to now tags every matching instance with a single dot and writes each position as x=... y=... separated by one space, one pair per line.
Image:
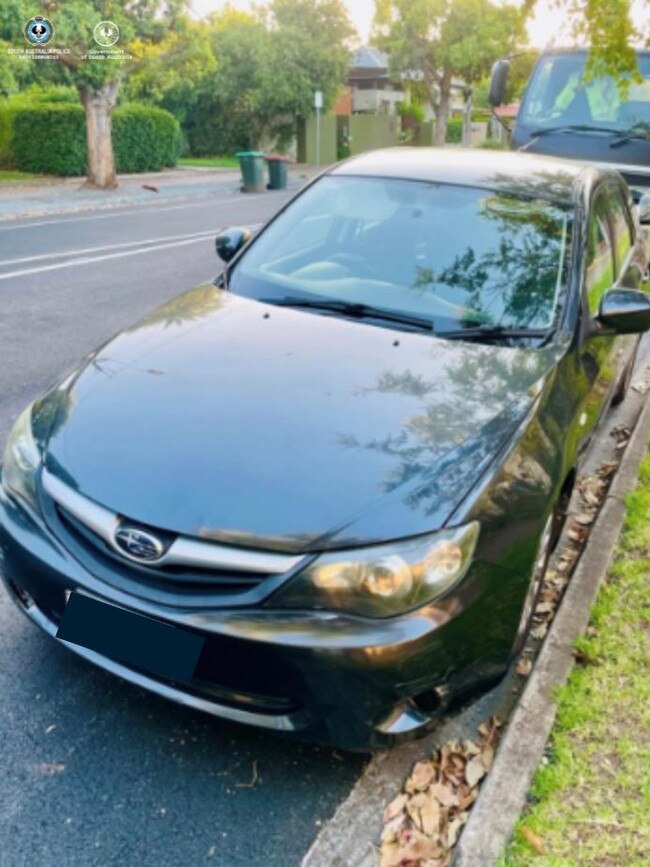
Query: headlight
x=383 y=580
x=21 y=460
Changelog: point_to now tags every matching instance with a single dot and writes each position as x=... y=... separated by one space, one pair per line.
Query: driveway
x=92 y=770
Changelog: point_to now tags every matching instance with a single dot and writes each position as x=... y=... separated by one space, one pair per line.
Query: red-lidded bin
x=277 y=172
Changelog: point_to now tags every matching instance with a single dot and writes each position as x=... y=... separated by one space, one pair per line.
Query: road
x=94 y=771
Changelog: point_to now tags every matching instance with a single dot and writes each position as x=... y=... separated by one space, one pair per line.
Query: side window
x=600 y=275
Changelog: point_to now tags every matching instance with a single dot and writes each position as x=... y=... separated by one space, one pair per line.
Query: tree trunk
x=467 y=120
x=442 y=108
x=99 y=104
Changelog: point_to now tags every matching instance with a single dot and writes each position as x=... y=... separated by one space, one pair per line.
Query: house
x=370 y=88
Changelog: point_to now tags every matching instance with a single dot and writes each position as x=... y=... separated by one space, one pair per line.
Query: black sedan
x=319 y=494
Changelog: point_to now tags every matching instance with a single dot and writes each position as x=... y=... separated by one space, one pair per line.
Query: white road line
x=143 y=243
x=143 y=208
x=86 y=260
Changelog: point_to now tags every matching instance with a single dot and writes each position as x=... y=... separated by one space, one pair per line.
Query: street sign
x=318 y=99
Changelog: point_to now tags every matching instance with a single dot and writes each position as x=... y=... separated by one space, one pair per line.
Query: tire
x=544 y=551
x=626 y=380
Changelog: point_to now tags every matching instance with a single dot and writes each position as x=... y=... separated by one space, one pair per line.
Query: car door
x=601 y=357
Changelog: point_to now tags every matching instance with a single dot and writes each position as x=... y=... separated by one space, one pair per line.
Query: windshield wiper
x=479 y=332
x=354 y=310
x=639 y=131
x=570 y=127
x=573 y=127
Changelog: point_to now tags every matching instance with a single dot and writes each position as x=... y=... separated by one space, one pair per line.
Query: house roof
x=369 y=57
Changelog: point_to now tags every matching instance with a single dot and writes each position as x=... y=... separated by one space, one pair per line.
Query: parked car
x=319 y=495
x=566 y=113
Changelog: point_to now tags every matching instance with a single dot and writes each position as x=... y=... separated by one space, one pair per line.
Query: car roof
x=557 y=180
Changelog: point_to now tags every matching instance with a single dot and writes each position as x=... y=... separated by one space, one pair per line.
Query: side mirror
x=230 y=242
x=644 y=209
x=498 y=81
x=624 y=311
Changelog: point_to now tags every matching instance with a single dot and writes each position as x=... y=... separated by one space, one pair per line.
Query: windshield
x=558 y=95
x=457 y=256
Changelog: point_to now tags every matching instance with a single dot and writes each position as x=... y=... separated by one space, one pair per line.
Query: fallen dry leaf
x=443 y=795
x=524 y=667
x=606 y=470
x=430 y=817
x=475 y=771
x=391 y=830
x=395 y=807
x=487 y=757
x=620 y=435
x=533 y=839
x=453 y=833
x=423 y=774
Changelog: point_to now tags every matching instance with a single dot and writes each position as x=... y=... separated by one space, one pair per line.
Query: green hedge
x=145 y=138
x=35 y=94
x=8 y=109
x=51 y=138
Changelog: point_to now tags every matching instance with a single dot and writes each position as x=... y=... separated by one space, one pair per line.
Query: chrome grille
x=189 y=567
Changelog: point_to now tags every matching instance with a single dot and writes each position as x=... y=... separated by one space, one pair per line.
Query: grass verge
x=6 y=175
x=590 y=800
x=210 y=162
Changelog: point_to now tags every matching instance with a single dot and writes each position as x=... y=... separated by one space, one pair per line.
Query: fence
x=342 y=136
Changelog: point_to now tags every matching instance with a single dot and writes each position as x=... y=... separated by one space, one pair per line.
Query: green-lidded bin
x=251 y=164
x=277 y=172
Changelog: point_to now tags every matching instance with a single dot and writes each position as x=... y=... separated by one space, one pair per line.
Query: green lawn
x=210 y=162
x=17 y=176
x=591 y=801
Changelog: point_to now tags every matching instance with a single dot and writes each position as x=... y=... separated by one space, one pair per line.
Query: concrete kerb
x=503 y=795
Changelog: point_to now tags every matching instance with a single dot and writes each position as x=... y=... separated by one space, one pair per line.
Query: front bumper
x=356 y=683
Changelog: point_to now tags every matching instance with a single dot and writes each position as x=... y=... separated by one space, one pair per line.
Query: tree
x=144 y=28
x=270 y=66
x=438 y=41
x=607 y=26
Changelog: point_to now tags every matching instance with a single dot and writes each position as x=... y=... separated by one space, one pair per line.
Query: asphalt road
x=92 y=770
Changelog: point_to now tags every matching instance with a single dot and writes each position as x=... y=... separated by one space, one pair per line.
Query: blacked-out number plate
x=129 y=638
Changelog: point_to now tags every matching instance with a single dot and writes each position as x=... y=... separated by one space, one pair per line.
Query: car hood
x=224 y=418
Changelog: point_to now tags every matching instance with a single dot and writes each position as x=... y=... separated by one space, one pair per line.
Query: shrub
x=145 y=138
x=455 y=130
x=493 y=144
x=411 y=111
x=51 y=138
